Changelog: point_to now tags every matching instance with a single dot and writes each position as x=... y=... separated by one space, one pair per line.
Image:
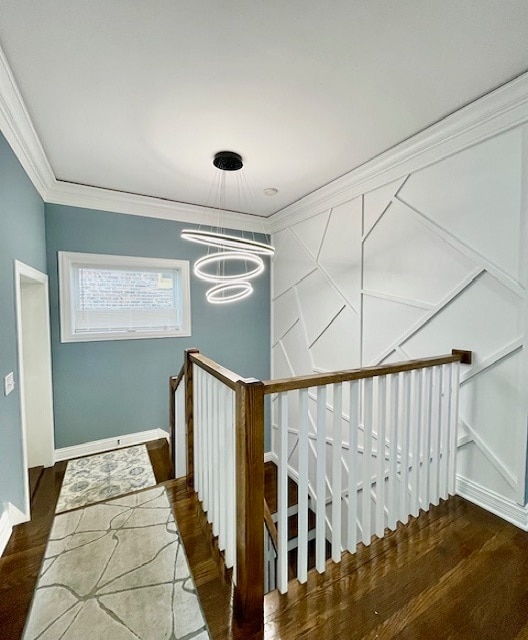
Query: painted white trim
x=15 y=515
x=117 y=442
x=23 y=270
x=493 y=502
x=20 y=133
x=68 y=263
x=494 y=113
x=269 y=456
x=5 y=529
x=87 y=197
x=18 y=129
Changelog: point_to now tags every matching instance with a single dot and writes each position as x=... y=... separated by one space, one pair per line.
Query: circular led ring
x=236 y=291
x=224 y=241
x=216 y=258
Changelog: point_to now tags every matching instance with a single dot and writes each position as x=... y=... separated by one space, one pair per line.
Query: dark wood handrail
x=175 y=380
x=318 y=379
x=228 y=377
x=270 y=525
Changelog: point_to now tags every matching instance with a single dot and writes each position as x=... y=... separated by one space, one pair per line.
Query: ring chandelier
x=224 y=241
x=219 y=259
x=228 y=292
x=228 y=287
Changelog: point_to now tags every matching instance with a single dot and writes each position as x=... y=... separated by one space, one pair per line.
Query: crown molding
x=494 y=113
x=86 y=197
x=490 y=115
x=18 y=129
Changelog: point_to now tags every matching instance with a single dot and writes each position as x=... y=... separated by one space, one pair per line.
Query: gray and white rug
x=105 y=475
x=116 y=570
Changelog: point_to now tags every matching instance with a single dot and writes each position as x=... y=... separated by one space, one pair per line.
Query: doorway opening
x=35 y=377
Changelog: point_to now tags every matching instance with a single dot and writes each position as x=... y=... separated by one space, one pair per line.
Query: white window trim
x=67 y=260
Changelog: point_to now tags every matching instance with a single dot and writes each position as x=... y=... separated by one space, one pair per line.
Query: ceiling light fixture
x=224 y=241
x=229 y=286
x=228 y=256
x=225 y=293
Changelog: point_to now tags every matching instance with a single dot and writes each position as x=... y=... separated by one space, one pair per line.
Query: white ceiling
x=138 y=96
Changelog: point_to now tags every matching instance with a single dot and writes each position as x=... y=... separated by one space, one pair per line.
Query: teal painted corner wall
x=22 y=237
x=107 y=389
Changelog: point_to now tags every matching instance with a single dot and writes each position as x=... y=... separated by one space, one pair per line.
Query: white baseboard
x=15 y=515
x=5 y=530
x=99 y=446
x=269 y=456
x=487 y=499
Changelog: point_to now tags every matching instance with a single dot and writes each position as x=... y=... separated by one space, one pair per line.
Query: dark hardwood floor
x=456 y=572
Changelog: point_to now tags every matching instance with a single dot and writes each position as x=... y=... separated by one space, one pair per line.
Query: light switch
x=9 y=383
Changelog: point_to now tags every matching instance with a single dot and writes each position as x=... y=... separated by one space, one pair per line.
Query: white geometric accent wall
x=433 y=261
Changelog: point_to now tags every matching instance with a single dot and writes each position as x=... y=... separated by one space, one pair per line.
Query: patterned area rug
x=105 y=475
x=116 y=570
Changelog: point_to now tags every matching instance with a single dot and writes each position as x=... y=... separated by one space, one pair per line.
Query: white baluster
x=230 y=480
x=392 y=431
x=320 y=532
x=380 y=397
x=210 y=452
x=435 y=434
x=352 y=465
x=366 y=523
x=302 y=551
x=426 y=441
x=453 y=435
x=444 y=431
x=416 y=391
x=337 y=452
x=216 y=460
x=404 y=430
x=222 y=512
x=205 y=442
x=196 y=427
x=282 y=512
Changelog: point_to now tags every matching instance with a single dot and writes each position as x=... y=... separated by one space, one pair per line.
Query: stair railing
x=368 y=448
x=225 y=466
x=392 y=453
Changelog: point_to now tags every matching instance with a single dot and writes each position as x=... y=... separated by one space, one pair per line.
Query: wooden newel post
x=249 y=592
x=189 y=415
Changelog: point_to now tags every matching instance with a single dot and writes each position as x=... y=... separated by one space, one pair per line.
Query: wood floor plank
x=454 y=572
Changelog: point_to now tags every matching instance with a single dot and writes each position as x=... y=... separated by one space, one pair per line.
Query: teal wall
x=106 y=389
x=22 y=237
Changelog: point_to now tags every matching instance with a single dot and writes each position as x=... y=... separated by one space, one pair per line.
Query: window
x=121 y=298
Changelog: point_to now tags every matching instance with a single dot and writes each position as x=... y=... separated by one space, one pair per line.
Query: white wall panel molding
x=503 y=277
x=492 y=501
x=485 y=448
x=420 y=304
x=496 y=112
x=432 y=313
x=433 y=260
x=481 y=366
x=20 y=133
x=98 y=446
x=311 y=232
x=311 y=344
